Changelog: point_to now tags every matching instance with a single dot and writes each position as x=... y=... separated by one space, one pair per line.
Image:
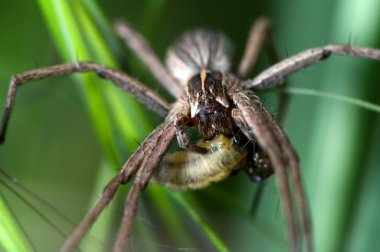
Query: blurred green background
x=65 y=141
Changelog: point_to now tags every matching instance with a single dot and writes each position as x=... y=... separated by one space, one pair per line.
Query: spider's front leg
x=142 y=163
x=183 y=141
x=146 y=158
x=180 y=114
x=257 y=123
x=133 y=86
x=157 y=144
x=276 y=73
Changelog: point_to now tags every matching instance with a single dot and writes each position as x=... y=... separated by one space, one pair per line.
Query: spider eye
x=194 y=85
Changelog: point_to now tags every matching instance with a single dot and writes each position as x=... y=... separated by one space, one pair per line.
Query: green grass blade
x=108 y=106
x=190 y=208
x=160 y=198
x=12 y=239
x=70 y=43
x=338 y=171
x=337 y=97
x=125 y=113
x=97 y=15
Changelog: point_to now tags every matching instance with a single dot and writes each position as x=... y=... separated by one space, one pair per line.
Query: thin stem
x=338 y=97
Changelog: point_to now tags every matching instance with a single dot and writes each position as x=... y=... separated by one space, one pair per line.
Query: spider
x=208 y=97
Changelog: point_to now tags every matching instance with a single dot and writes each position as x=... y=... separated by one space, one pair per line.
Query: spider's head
x=206 y=93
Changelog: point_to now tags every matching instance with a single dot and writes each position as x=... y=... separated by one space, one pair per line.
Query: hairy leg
x=145 y=172
x=133 y=86
x=276 y=73
x=143 y=161
x=141 y=47
x=257 y=123
x=259 y=34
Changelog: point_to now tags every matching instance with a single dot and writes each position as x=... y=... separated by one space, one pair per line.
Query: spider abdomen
x=183 y=170
x=199 y=50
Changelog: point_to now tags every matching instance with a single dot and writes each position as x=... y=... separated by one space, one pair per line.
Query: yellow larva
x=183 y=170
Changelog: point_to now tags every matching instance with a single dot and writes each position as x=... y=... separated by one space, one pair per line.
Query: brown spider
x=210 y=98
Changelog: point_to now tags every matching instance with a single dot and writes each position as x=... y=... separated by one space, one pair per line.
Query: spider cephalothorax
x=235 y=126
x=210 y=106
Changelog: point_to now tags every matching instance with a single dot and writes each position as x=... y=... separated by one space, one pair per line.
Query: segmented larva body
x=183 y=170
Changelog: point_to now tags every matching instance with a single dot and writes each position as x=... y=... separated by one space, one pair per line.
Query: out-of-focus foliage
x=54 y=147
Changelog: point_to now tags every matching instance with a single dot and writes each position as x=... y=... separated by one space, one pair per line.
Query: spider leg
x=277 y=72
x=180 y=122
x=136 y=88
x=257 y=123
x=153 y=156
x=180 y=114
x=154 y=146
x=108 y=194
x=141 y=47
x=259 y=34
x=293 y=164
x=183 y=141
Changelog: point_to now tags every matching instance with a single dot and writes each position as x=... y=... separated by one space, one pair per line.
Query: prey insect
x=209 y=97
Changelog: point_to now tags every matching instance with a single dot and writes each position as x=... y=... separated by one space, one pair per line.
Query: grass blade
x=12 y=239
x=336 y=97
